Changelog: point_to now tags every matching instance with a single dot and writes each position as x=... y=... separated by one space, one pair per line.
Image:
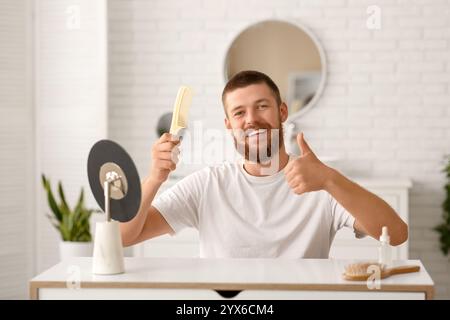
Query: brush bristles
x=361 y=271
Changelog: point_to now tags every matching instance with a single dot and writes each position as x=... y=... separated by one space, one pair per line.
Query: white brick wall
x=385 y=108
x=70 y=105
x=16 y=149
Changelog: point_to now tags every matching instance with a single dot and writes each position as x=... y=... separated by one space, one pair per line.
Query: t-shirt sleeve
x=179 y=204
x=342 y=218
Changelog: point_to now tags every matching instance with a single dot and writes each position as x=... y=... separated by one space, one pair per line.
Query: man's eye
x=262 y=106
x=239 y=113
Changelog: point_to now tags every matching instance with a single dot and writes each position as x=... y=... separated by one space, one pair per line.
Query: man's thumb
x=304 y=148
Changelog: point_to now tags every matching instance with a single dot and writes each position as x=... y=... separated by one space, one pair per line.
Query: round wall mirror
x=290 y=54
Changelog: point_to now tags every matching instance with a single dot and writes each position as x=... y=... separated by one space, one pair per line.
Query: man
x=271 y=205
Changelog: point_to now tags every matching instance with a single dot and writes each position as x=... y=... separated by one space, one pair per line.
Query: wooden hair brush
x=362 y=271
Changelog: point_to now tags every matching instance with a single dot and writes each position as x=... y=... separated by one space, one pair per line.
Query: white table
x=193 y=278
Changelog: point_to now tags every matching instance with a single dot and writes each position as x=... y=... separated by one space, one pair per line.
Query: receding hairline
x=273 y=94
x=247 y=78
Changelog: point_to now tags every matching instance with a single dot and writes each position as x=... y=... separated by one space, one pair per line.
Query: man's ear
x=283 y=112
x=227 y=123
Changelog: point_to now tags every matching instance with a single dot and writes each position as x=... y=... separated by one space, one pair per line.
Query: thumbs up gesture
x=306 y=173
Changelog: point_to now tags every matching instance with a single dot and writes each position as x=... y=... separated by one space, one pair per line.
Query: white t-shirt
x=239 y=215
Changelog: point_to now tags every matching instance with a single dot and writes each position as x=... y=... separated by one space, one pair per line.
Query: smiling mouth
x=252 y=133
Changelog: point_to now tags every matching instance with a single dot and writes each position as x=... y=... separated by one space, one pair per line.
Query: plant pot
x=68 y=249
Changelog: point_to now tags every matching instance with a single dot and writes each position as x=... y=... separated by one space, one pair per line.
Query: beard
x=260 y=147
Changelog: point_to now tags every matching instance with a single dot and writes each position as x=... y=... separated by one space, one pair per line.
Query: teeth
x=255 y=132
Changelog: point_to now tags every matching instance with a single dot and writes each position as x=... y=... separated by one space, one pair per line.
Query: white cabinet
x=345 y=245
x=395 y=193
x=183 y=245
x=48 y=293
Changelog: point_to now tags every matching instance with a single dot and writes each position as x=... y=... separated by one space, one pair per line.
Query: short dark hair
x=249 y=77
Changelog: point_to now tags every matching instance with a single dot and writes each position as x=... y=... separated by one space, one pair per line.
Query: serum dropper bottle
x=384 y=251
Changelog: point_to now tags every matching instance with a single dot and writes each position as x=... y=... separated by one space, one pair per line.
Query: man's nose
x=251 y=117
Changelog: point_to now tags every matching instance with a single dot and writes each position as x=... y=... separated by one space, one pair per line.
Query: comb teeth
x=182 y=111
x=181 y=108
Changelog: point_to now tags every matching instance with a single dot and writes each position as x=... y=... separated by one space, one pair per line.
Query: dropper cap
x=384 y=235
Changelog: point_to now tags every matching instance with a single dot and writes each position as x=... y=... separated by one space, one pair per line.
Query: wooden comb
x=362 y=271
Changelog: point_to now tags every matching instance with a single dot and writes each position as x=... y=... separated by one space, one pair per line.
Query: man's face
x=256 y=120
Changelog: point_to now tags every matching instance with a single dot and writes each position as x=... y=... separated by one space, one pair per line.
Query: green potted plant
x=444 y=228
x=73 y=224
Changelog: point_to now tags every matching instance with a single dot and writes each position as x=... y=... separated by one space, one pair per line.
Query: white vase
x=68 y=249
